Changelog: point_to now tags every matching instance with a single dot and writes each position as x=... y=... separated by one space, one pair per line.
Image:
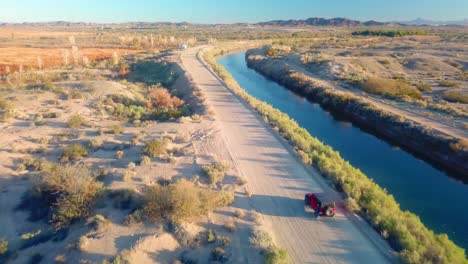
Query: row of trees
x=388 y=32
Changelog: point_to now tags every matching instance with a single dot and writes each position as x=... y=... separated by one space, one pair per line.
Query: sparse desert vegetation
x=182 y=201
x=92 y=150
x=410 y=237
x=112 y=152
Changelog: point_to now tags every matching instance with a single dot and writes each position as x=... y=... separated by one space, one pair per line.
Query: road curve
x=278 y=182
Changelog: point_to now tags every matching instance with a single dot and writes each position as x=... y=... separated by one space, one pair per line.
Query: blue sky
x=227 y=11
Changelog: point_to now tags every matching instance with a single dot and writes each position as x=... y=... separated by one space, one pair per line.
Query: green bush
x=69 y=192
x=389 y=32
x=182 y=201
x=76 y=121
x=406 y=233
x=124 y=108
x=74 y=152
x=215 y=171
x=155 y=148
x=389 y=87
x=456 y=97
x=3 y=247
x=262 y=240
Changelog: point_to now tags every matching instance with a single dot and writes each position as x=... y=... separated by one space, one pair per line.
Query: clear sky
x=227 y=11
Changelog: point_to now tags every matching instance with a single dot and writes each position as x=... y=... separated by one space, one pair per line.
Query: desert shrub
x=224 y=241
x=459 y=146
x=76 y=121
x=240 y=213
x=74 y=152
x=131 y=166
x=124 y=199
x=83 y=242
x=119 y=154
x=124 y=108
x=454 y=64
x=60 y=259
x=424 y=87
x=351 y=205
x=449 y=83
x=389 y=87
x=304 y=157
x=182 y=201
x=384 y=62
x=3 y=247
x=464 y=75
x=155 y=148
x=6 y=109
x=99 y=222
x=215 y=171
x=75 y=94
x=210 y=236
x=116 y=129
x=218 y=254
x=151 y=72
x=414 y=242
x=161 y=98
x=145 y=160
x=51 y=115
x=271 y=52
x=94 y=143
x=182 y=138
x=262 y=240
x=5 y=104
x=124 y=69
x=277 y=256
x=457 y=97
x=230 y=225
x=128 y=175
x=27 y=236
x=68 y=191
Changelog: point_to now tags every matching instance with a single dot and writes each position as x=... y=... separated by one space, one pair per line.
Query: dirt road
x=278 y=182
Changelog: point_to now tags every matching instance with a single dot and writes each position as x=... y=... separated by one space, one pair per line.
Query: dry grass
x=215 y=171
x=182 y=201
x=15 y=56
x=395 y=88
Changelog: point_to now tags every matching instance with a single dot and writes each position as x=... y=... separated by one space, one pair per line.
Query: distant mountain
x=317 y=21
x=422 y=21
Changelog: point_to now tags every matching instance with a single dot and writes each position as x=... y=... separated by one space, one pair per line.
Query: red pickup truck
x=321 y=204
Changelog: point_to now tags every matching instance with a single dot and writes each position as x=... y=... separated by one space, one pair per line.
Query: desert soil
x=412 y=115
x=278 y=182
x=138 y=242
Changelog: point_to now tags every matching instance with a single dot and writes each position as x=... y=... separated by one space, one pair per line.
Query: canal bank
x=416 y=185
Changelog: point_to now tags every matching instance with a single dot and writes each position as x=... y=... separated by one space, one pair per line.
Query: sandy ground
x=278 y=182
x=414 y=116
x=138 y=242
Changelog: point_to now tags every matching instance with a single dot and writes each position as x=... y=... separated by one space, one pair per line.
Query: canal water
x=440 y=201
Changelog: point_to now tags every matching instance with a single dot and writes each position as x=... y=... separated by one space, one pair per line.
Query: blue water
x=437 y=199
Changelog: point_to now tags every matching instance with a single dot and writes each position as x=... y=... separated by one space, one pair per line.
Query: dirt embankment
x=436 y=147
